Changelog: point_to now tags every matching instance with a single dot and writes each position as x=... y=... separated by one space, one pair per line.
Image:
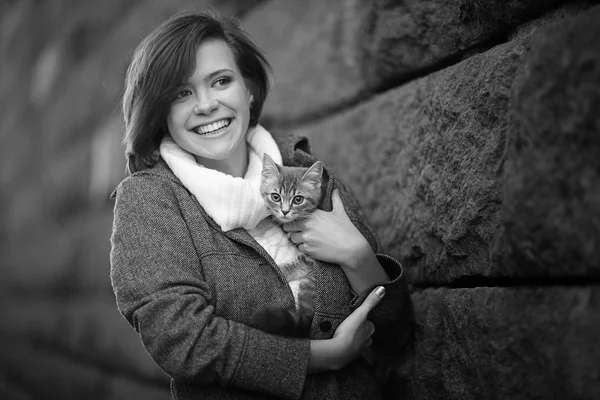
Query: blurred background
x=62 y=72
x=469 y=131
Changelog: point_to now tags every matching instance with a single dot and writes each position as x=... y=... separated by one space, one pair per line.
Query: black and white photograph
x=299 y=199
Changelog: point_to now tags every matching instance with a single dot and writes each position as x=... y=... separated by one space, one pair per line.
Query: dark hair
x=167 y=57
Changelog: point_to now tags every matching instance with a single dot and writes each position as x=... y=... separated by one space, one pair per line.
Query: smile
x=212 y=128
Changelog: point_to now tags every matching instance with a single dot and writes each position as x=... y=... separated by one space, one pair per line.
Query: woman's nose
x=206 y=106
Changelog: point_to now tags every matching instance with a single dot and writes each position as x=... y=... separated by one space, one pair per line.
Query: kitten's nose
x=285 y=212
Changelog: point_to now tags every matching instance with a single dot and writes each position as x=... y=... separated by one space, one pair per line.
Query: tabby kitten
x=291 y=194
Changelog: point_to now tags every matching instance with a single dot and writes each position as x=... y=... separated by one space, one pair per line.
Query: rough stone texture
x=433 y=161
x=326 y=55
x=412 y=34
x=506 y=343
x=551 y=211
x=316 y=51
x=427 y=161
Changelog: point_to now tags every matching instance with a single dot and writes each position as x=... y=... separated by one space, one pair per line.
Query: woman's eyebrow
x=218 y=72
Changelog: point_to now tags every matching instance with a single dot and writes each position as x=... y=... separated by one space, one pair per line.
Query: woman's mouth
x=212 y=128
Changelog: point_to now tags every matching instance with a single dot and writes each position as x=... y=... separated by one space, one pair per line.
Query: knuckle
x=371 y=326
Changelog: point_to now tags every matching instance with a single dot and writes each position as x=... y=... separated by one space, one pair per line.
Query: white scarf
x=236 y=202
x=232 y=202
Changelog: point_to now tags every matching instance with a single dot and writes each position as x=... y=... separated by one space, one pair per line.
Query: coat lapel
x=332 y=298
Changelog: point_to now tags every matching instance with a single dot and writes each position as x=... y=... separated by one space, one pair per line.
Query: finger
x=367 y=328
x=296 y=237
x=370 y=327
x=290 y=227
x=302 y=247
x=336 y=200
x=371 y=301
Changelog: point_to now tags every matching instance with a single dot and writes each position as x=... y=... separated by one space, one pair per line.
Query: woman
x=186 y=273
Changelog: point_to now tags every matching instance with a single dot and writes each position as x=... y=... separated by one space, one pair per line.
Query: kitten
x=291 y=194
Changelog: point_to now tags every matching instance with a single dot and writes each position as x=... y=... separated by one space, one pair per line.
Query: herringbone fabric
x=188 y=289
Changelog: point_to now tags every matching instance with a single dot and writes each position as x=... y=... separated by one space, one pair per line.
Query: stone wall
x=469 y=130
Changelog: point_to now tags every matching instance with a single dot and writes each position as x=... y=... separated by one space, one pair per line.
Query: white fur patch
x=295 y=286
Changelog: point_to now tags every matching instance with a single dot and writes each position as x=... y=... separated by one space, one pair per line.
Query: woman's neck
x=235 y=165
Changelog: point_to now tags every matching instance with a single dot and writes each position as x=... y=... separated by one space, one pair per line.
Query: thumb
x=371 y=301
x=336 y=201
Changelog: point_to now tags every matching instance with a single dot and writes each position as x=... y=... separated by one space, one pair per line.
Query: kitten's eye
x=275 y=197
x=298 y=200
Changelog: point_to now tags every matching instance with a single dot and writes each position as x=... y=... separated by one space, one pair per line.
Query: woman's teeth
x=212 y=128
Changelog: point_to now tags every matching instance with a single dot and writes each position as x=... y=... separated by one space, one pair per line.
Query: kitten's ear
x=315 y=172
x=268 y=161
x=270 y=169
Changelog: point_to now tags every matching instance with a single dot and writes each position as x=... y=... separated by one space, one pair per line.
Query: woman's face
x=210 y=115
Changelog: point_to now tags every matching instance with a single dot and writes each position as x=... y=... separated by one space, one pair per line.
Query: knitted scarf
x=232 y=202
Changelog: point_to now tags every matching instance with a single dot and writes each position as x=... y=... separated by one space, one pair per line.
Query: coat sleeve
x=393 y=316
x=161 y=292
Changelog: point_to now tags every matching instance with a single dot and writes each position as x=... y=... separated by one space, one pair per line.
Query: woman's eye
x=184 y=93
x=298 y=199
x=275 y=197
x=222 y=81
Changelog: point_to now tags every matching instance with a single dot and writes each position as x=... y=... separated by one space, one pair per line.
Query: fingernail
x=380 y=291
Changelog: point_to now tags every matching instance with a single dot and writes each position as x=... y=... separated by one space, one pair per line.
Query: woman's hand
x=329 y=236
x=332 y=237
x=351 y=337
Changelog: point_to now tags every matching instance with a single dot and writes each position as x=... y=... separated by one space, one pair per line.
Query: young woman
x=186 y=272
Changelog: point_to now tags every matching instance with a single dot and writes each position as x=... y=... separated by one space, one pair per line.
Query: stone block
x=414 y=34
x=551 y=192
x=328 y=55
x=316 y=51
x=506 y=343
x=427 y=161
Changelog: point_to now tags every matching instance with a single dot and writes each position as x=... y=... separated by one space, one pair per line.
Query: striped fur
x=292 y=194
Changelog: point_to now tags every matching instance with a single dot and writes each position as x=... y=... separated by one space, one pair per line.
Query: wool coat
x=189 y=289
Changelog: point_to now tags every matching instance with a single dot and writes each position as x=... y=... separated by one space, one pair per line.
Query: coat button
x=325 y=326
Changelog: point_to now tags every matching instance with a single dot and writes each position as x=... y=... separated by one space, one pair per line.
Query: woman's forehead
x=214 y=55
